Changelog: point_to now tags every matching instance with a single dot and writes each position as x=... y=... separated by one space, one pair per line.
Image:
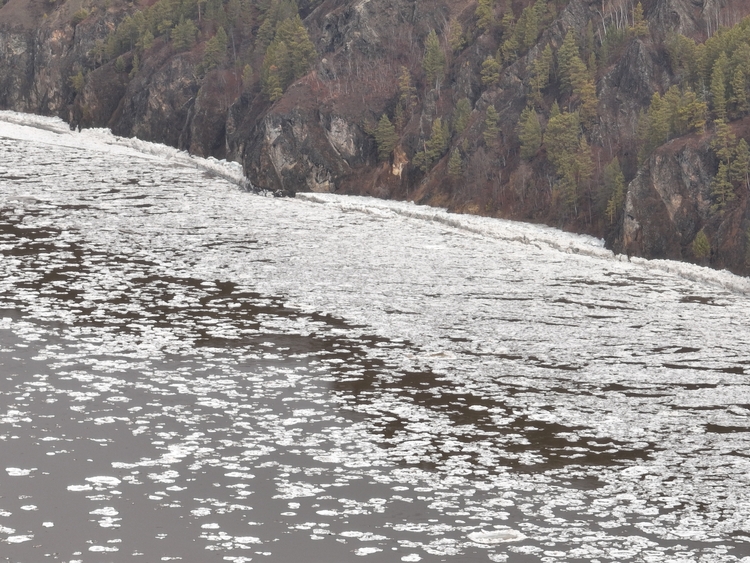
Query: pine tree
x=183 y=35
x=691 y=113
x=541 y=68
x=385 y=137
x=723 y=142
x=461 y=115
x=529 y=133
x=275 y=72
x=658 y=123
x=509 y=48
x=457 y=39
x=301 y=51
x=530 y=28
x=215 y=49
x=739 y=170
x=78 y=81
x=490 y=71
x=136 y=66
x=247 y=77
x=491 y=129
x=485 y=14
x=640 y=27
x=739 y=91
x=614 y=189
x=701 y=246
x=455 y=165
x=565 y=55
x=435 y=147
x=434 y=60
x=554 y=110
x=145 y=40
x=288 y=57
x=407 y=92
x=508 y=23
x=561 y=138
x=718 y=86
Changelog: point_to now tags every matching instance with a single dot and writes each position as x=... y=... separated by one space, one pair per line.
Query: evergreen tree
x=739 y=91
x=136 y=66
x=691 y=113
x=723 y=142
x=234 y=12
x=701 y=246
x=509 y=48
x=215 y=50
x=247 y=77
x=722 y=190
x=145 y=41
x=658 y=123
x=288 y=57
x=301 y=50
x=485 y=14
x=584 y=169
x=640 y=27
x=683 y=56
x=434 y=60
x=435 y=147
x=739 y=170
x=398 y=118
x=457 y=39
x=455 y=165
x=541 y=10
x=508 y=23
x=461 y=115
x=385 y=137
x=183 y=35
x=565 y=59
x=554 y=110
x=407 y=92
x=490 y=71
x=718 y=86
x=529 y=132
x=528 y=25
x=275 y=72
x=541 y=68
x=78 y=81
x=614 y=189
x=491 y=129
x=561 y=137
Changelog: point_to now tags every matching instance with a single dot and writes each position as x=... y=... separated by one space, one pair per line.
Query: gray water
x=193 y=373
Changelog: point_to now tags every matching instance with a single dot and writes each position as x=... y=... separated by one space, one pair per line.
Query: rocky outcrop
x=669 y=200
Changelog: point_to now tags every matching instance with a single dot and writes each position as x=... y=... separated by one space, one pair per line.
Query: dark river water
x=193 y=373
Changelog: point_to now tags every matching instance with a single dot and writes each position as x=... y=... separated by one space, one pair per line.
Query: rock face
x=669 y=200
x=319 y=136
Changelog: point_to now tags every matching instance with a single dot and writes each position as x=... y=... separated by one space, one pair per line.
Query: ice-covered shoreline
x=55 y=131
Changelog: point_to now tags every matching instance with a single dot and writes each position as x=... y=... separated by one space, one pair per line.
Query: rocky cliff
x=461 y=116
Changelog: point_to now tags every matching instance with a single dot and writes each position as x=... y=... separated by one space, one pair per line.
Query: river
x=189 y=372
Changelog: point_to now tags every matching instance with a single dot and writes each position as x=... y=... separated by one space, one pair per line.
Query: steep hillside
x=611 y=117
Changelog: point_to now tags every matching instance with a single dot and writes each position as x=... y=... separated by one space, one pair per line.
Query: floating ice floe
x=496 y=536
x=362 y=551
x=103 y=481
x=18 y=472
